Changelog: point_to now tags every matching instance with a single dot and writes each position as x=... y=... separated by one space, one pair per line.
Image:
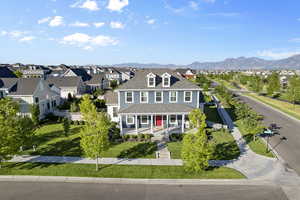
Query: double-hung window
x=151 y=82
x=158 y=97
x=188 y=96
x=173 y=119
x=129 y=97
x=144 y=119
x=173 y=96
x=144 y=97
x=129 y=120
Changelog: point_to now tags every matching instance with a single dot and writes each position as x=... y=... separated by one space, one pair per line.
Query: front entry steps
x=162 y=150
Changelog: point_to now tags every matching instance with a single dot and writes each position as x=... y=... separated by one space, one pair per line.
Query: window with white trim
x=151 y=82
x=188 y=96
x=129 y=97
x=173 y=96
x=144 y=97
x=115 y=111
x=129 y=120
x=144 y=119
x=173 y=119
x=166 y=79
x=158 y=97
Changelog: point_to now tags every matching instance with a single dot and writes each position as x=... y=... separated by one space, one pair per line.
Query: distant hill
x=230 y=64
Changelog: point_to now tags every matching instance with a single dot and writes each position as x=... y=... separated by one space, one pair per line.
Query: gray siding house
x=156 y=101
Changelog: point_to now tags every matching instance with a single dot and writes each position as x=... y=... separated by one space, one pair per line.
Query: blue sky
x=146 y=31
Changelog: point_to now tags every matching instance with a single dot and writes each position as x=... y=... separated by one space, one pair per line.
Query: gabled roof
x=184 y=70
x=25 y=86
x=68 y=81
x=80 y=72
x=5 y=72
x=156 y=108
x=111 y=98
x=7 y=82
x=139 y=81
x=96 y=79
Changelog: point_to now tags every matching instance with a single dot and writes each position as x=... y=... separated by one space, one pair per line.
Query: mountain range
x=241 y=63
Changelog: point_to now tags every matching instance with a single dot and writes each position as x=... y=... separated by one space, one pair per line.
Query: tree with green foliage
x=98 y=92
x=273 y=84
x=196 y=151
x=197 y=118
x=256 y=84
x=253 y=126
x=14 y=129
x=66 y=126
x=94 y=135
x=293 y=90
x=35 y=114
x=113 y=84
x=18 y=73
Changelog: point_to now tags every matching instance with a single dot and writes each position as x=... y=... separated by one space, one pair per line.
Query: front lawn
x=116 y=171
x=51 y=141
x=225 y=147
x=258 y=146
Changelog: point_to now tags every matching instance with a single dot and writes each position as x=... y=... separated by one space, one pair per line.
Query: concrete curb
x=63 y=179
x=275 y=109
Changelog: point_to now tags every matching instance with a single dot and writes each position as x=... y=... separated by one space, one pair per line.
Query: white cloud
x=16 y=34
x=88 y=48
x=194 y=5
x=117 y=5
x=98 y=24
x=117 y=25
x=80 y=24
x=87 y=42
x=56 y=21
x=44 y=20
x=151 y=21
x=26 y=39
x=87 y=4
x=277 y=55
x=3 y=33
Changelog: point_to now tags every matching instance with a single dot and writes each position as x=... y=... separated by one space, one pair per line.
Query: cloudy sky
x=161 y=31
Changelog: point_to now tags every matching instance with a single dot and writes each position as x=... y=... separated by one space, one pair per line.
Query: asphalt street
x=287 y=143
x=77 y=191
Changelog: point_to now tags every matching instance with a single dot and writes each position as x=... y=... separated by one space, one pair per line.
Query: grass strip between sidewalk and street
x=116 y=171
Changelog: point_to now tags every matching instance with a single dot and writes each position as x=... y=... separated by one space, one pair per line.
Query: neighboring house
x=156 y=101
x=79 y=72
x=28 y=91
x=186 y=73
x=126 y=74
x=111 y=100
x=34 y=71
x=112 y=74
x=5 y=72
x=6 y=85
x=67 y=85
x=97 y=81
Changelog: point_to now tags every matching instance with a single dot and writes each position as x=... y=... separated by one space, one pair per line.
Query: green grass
x=286 y=107
x=258 y=146
x=212 y=114
x=116 y=171
x=51 y=141
x=225 y=147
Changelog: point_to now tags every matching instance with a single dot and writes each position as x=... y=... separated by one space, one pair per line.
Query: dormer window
x=151 y=80
x=166 y=78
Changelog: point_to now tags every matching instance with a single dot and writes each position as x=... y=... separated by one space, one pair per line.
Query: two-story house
x=156 y=101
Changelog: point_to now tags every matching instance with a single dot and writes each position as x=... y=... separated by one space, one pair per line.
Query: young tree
x=35 y=114
x=113 y=84
x=94 y=137
x=253 y=126
x=14 y=130
x=273 y=84
x=256 y=84
x=293 y=91
x=88 y=109
x=196 y=151
x=66 y=126
x=197 y=118
x=18 y=73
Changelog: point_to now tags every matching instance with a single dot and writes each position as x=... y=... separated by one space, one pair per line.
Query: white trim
x=147 y=96
x=128 y=117
x=162 y=97
x=147 y=119
x=126 y=97
x=170 y=97
x=176 y=120
x=190 y=97
x=160 y=89
x=198 y=99
x=168 y=76
x=154 y=82
x=174 y=113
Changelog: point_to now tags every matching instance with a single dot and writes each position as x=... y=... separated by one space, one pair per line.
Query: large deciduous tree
x=273 y=84
x=197 y=118
x=293 y=91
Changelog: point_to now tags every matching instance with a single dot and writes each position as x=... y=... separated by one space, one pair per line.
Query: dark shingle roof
x=139 y=81
x=96 y=79
x=82 y=73
x=7 y=82
x=5 y=72
x=156 y=108
x=68 y=81
x=25 y=86
x=111 y=98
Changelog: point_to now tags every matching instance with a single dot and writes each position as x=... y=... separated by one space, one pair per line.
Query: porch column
x=168 y=123
x=136 y=124
x=151 y=124
x=121 y=124
x=182 y=123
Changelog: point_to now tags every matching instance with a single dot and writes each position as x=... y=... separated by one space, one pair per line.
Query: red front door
x=158 y=120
